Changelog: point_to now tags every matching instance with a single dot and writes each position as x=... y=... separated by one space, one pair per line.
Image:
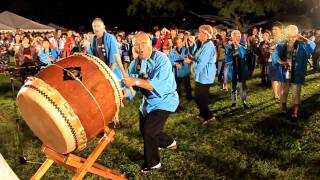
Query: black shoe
x=262 y=84
x=284 y=112
x=245 y=105
x=294 y=118
x=233 y=105
x=179 y=109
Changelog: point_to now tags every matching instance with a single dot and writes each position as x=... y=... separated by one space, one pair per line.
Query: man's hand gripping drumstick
x=124 y=73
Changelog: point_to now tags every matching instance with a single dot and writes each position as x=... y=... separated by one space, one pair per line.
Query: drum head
x=47 y=118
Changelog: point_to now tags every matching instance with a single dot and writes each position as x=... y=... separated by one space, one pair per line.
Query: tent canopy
x=64 y=30
x=18 y=22
x=5 y=28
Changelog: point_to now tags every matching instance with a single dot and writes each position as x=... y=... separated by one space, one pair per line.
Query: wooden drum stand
x=78 y=164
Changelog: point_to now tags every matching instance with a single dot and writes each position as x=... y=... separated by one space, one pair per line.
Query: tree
x=238 y=14
x=243 y=14
x=154 y=8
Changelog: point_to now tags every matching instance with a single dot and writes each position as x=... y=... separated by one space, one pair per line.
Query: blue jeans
x=243 y=91
x=222 y=71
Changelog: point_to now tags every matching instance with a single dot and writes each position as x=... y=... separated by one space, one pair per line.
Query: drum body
x=68 y=103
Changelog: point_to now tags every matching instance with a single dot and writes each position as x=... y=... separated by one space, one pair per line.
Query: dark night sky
x=73 y=14
x=68 y=13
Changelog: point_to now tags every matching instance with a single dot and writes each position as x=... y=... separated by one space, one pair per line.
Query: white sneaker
x=156 y=166
x=172 y=146
x=146 y=170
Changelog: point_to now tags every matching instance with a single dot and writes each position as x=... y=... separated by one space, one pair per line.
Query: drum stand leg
x=43 y=169
x=78 y=164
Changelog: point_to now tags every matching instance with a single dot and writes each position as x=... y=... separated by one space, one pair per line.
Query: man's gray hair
x=235 y=32
x=291 y=29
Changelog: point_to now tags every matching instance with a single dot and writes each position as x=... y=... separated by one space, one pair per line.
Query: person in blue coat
x=47 y=55
x=151 y=74
x=104 y=46
x=274 y=68
x=180 y=68
x=292 y=55
x=191 y=45
x=204 y=67
x=237 y=68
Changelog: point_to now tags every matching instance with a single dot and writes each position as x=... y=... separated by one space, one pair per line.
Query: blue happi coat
x=111 y=48
x=45 y=55
x=303 y=52
x=204 y=65
x=241 y=74
x=158 y=71
x=176 y=57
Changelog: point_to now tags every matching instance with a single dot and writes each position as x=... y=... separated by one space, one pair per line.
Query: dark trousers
x=315 y=64
x=202 y=100
x=264 y=72
x=151 y=127
x=251 y=63
x=184 y=81
x=222 y=72
x=27 y=70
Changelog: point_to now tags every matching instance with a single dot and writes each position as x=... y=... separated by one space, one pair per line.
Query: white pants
x=284 y=91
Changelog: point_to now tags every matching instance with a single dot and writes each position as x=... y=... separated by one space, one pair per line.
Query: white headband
x=207 y=33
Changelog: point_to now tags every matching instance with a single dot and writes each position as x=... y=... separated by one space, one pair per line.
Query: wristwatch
x=137 y=83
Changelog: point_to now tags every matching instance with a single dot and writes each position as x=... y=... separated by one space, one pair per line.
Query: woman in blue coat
x=204 y=70
x=292 y=57
x=274 y=69
x=237 y=68
x=181 y=69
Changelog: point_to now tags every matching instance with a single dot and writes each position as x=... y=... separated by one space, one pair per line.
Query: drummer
x=104 y=46
x=151 y=74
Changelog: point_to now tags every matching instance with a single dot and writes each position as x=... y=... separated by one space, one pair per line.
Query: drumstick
x=123 y=71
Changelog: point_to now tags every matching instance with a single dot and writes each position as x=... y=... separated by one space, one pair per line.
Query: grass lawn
x=257 y=143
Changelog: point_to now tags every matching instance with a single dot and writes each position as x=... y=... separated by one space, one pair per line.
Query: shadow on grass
x=276 y=141
x=229 y=169
x=218 y=96
x=278 y=124
x=229 y=112
x=279 y=137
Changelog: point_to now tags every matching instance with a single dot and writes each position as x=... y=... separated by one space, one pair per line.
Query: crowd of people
x=163 y=63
